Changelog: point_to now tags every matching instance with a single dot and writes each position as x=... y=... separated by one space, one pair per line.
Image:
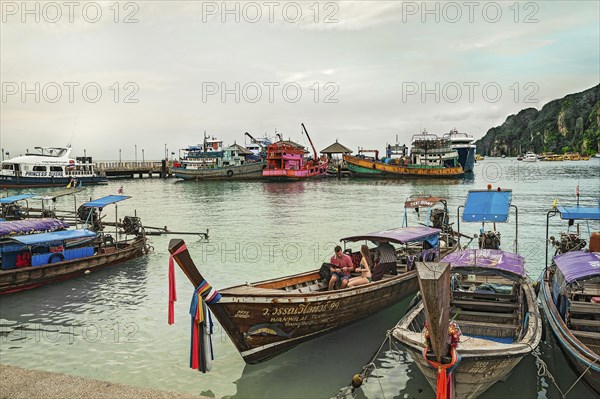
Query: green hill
x=567 y=124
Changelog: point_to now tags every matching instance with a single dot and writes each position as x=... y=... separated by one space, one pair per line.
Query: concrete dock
x=20 y=383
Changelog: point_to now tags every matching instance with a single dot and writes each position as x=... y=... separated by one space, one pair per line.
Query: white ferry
x=49 y=167
x=464 y=145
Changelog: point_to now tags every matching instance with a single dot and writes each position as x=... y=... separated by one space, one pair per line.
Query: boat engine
x=489 y=240
x=439 y=218
x=12 y=212
x=48 y=213
x=568 y=242
x=131 y=225
x=83 y=213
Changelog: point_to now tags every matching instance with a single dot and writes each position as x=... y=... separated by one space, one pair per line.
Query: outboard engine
x=83 y=213
x=12 y=212
x=568 y=242
x=132 y=225
x=439 y=218
x=489 y=240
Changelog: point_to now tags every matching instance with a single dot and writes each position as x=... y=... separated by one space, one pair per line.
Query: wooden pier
x=132 y=169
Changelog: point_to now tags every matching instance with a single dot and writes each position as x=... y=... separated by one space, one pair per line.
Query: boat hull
x=581 y=360
x=243 y=172
x=368 y=168
x=31 y=182
x=263 y=323
x=34 y=276
x=294 y=174
x=466 y=158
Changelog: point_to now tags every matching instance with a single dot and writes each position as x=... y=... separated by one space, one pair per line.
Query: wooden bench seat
x=487 y=329
x=493 y=306
x=484 y=295
x=474 y=315
x=586 y=334
x=594 y=324
x=577 y=307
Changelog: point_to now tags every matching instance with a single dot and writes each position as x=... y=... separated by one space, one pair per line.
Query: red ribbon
x=444 y=379
x=172 y=285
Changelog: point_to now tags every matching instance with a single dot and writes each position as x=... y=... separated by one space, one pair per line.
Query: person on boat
x=340 y=269
x=120 y=190
x=365 y=269
x=385 y=260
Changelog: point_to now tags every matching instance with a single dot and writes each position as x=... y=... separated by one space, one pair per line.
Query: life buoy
x=56 y=257
x=230 y=173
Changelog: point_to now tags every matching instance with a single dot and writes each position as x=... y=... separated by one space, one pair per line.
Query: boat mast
x=310 y=141
x=254 y=140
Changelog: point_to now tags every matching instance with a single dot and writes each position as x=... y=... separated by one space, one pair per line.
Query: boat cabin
x=43 y=249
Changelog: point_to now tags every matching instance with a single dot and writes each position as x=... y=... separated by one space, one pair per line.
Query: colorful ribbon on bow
x=172 y=285
x=444 y=373
x=201 y=320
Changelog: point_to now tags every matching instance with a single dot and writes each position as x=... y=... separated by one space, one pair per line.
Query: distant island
x=569 y=124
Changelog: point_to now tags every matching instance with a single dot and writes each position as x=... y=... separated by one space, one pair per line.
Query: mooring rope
x=542 y=371
x=369 y=368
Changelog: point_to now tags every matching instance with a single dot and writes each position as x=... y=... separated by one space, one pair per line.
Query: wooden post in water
x=434 y=282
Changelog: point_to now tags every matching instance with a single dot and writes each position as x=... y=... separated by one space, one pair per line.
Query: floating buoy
x=357 y=380
x=87 y=272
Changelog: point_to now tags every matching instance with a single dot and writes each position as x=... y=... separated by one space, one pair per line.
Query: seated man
x=385 y=259
x=340 y=269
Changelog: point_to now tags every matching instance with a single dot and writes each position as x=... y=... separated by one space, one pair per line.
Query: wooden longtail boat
x=32 y=260
x=266 y=318
x=570 y=296
x=493 y=302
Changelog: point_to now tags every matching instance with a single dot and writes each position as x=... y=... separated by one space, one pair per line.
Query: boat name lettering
x=242 y=314
x=301 y=309
x=37 y=174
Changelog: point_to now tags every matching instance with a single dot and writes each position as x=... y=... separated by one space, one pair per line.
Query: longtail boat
x=17 y=207
x=570 y=294
x=266 y=318
x=32 y=260
x=431 y=156
x=286 y=161
x=491 y=302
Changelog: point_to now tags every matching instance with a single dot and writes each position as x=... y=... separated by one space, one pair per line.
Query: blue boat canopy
x=32 y=239
x=579 y=212
x=15 y=198
x=487 y=206
x=102 y=202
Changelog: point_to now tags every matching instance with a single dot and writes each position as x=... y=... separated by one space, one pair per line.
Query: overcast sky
x=366 y=71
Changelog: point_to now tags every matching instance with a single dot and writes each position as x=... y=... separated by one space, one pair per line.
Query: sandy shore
x=20 y=383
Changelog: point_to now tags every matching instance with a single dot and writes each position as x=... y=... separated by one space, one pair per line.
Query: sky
x=155 y=76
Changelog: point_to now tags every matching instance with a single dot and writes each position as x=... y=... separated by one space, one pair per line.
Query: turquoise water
x=112 y=324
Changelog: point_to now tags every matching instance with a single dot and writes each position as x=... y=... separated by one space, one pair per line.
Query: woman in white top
x=365 y=268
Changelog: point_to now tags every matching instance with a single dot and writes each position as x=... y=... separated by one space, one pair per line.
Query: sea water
x=112 y=324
